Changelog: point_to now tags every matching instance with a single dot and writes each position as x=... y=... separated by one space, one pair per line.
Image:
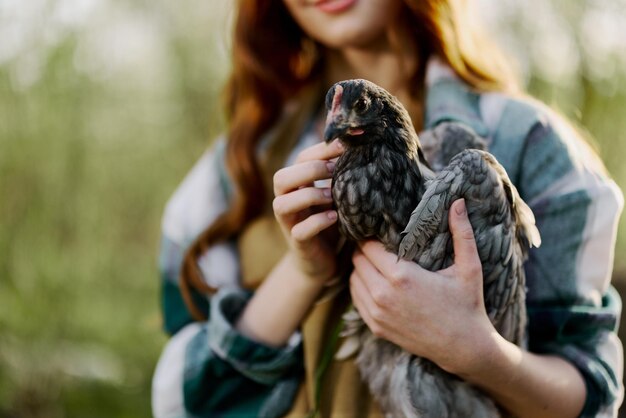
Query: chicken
x=383 y=189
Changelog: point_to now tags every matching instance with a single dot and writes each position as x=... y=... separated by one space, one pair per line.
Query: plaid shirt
x=210 y=369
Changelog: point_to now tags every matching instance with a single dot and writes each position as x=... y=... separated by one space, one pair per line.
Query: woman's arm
x=528 y=384
x=280 y=304
x=441 y=316
x=206 y=367
x=285 y=296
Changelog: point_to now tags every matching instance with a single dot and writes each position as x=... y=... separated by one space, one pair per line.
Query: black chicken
x=384 y=189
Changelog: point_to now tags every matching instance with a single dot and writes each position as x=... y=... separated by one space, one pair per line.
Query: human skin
x=437 y=315
x=362 y=26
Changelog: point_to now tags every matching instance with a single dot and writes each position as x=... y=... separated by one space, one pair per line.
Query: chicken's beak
x=342 y=130
x=334 y=129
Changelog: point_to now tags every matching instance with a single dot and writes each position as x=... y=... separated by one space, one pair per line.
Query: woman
x=269 y=264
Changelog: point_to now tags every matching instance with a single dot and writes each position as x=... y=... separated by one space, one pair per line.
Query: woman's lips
x=334 y=6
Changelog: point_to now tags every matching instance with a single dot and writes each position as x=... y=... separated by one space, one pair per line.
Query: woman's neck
x=386 y=63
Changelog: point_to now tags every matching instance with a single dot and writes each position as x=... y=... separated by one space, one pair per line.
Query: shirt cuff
x=580 y=334
x=259 y=362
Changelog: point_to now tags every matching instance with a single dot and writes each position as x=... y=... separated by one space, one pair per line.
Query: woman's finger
x=370 y=276
x=313 y=225
x=383 y=289
x=321 y=151
x=294 y=177
x=362 y=300
x=386 y=262
x=466 y=258
x=298 y=200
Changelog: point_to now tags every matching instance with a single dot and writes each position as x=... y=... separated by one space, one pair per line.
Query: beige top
x=343 y=394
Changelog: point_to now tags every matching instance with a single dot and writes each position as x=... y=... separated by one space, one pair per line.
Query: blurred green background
x=105 y=105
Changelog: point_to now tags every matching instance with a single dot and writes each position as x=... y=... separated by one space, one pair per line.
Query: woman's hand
x=437 y=315
x=304 y=211
x=441 y=316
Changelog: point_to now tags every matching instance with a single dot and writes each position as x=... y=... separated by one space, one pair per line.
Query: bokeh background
x=105 y=105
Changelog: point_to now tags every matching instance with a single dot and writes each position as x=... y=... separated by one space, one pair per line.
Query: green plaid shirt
x=209 y=369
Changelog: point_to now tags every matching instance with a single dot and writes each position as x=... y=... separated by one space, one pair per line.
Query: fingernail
x=327 y=192
x=330 y=166
x=332 y=215
x=460 y=207
x=339 y=144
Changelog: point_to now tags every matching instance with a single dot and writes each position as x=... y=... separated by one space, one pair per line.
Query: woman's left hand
x=437 y=315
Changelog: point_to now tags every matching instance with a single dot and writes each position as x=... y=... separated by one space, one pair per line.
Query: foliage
x=87 y=162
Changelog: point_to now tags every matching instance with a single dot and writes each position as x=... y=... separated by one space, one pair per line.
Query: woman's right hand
x=304 y=211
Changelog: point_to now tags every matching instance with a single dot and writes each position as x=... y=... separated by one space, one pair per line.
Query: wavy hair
x=272 y=60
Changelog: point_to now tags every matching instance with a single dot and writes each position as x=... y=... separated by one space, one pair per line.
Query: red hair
x=272 y=62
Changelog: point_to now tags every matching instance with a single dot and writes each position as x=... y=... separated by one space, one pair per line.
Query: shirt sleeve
x=210 y=368
x=573 y=310
x=197 y=202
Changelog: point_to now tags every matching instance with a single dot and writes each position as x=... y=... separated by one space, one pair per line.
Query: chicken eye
x=361 y=105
